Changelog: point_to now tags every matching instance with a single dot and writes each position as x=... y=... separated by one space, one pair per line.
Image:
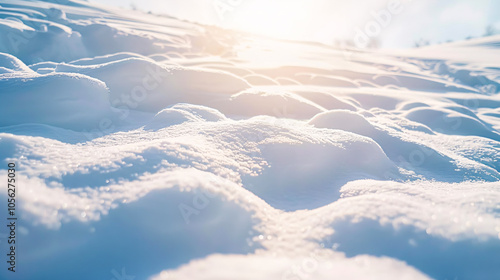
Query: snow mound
x=183 y=220
x=344 y=120
x=62 y=100
x=466 y=223
x=181 y=113
x=282 y=267
x=268 y=102
x=145 y=85
x=451 y=122
x=152 y=148
x=292 y=172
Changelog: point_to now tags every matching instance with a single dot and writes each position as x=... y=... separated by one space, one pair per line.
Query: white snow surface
x=152 y=148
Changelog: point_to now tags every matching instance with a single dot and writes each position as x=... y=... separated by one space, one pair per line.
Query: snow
x=156 y=148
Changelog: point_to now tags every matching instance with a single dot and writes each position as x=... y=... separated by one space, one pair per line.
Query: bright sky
x=327 y=20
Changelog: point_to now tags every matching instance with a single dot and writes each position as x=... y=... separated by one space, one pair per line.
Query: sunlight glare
x=279 y=19
x=323 y=22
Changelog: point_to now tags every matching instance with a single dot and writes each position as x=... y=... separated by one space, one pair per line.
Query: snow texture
x=154 y=148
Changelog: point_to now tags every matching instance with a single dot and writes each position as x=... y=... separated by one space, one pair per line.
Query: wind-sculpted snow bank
x=67 y=30
x=63 y=100
x=153 y=148
x=452 y=122
x=11 y=64
x=407 y=152
x=147 y=86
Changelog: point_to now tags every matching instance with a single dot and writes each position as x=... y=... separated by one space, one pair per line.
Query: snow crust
x=162 y=149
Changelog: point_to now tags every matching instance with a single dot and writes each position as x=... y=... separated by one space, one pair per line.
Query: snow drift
x=154 y=148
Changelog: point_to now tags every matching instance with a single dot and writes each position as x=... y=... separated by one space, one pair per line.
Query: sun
x=305 y=20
